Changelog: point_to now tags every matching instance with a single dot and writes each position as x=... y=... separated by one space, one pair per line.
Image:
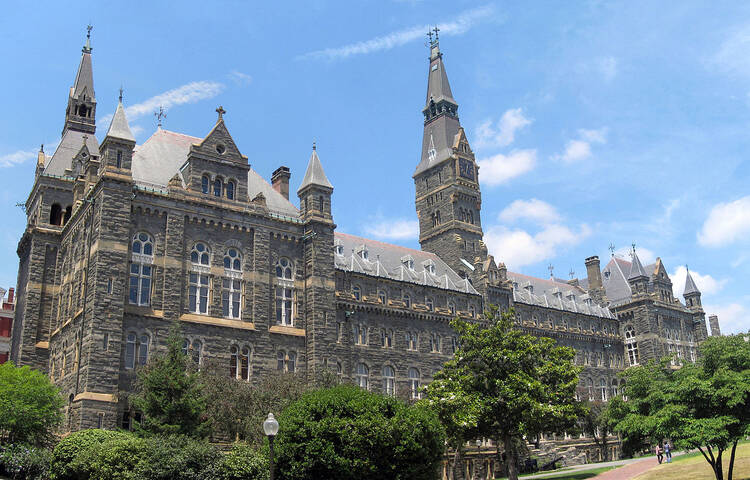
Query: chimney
x=280 y=181
x=594 y=272
x=11 y=292
x=713 y=322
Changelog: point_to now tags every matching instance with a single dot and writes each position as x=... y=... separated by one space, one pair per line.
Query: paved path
x=629 y=471
x=628 y=466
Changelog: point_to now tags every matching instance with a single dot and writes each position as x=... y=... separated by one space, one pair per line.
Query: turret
x=315 y=192
x=638 y=279
x=117 y=148
x=691 y=294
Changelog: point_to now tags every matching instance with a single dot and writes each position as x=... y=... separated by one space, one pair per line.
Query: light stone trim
x=284 y=330
x=219 y=322
x=97 y=397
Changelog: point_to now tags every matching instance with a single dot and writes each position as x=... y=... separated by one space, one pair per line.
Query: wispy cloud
x=579 y=149
x=607 y=66
x=726 y=223
x=463 y=22
x=240 y=78
x=504 y=132
x=732 y=54
x=501 y=168
x=393 y=229
x=19 y=156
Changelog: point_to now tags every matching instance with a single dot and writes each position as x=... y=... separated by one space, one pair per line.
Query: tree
x=704 y=405
x=346 y=432
x=506 y=385
x=595 y=422
x=169 y=393
x=30 y=406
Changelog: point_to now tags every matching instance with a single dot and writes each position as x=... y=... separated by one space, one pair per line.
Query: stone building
x=124 y=239
x=7 y=312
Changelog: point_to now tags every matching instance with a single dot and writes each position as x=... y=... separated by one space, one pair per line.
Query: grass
x=695 y=467
x=571 y=475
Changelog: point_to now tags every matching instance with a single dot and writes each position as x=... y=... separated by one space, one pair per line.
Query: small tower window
x=119 y=159
x=217 y=187
x=230 y=190
x=204 y=184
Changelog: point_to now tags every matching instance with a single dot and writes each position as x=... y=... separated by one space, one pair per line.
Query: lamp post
x=270 y=428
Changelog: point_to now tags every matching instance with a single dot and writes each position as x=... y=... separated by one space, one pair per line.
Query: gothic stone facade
x=124 y=239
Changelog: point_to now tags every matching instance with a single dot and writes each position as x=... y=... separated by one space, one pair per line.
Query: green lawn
x=694 y=467
x=570 y=475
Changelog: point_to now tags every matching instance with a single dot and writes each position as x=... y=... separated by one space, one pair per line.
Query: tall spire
x=636 y=269
x=440 y=112
x=314 y=175
x=690 y=287
x=81 y=112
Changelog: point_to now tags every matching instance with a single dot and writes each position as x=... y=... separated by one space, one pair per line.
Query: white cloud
x=504 y=133
x=645 y=255
x=19 y=156
x=500 y=168
x=398 y=229
x=517 y=248
x=607 y=66
x=580 y=148
x=189 y=93
x=240 y=78
x=705 y=283
x=136 y=129
x=733 y=317
x=732 y=54
x=534 y=210
x=726 y=223
x=460 y=25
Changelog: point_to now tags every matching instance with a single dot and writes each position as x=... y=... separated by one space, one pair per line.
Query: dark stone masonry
x=124 y=239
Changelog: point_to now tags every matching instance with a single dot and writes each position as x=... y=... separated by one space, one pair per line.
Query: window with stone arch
x=631 y=345
x=285 y=292
x=200 y=260
x=141 y=269
x=240 y=361
x=389 y=380
x=205 y=182
x=429 y=304
x=357 y=292
x=230 y=189
x=231 y=284
x=218 y=187
x=363 y=376
x=414 y=383
x=603 y=389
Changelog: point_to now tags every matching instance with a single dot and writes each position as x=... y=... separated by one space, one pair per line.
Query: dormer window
x=408 y=262
x=338 y=248
x=429 y=265
x=363 y=253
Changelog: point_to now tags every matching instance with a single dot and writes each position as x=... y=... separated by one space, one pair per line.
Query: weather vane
x=612 y=248
x=551 y=269
x=88 y=30
x=161 y=114
x=572 y=273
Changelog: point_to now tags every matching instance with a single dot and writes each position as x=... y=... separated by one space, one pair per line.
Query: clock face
x=466 y=168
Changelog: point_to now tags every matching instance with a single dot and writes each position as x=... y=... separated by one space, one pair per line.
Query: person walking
x=659 y=456
x=668 y=451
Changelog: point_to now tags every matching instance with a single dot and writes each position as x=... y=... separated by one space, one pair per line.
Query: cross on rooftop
x=161 y=114
x=221 y=112
x=436 y=30
x=88 y=30
x=612 y=249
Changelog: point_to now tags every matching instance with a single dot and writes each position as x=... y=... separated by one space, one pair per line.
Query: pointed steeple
x=440 y=112
x=636 y=269
x=81 y=112
x=119 y=127
x=690 y=287
x=314 y=175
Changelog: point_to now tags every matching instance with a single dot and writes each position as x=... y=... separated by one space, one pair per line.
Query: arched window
x=68 y=212
x=412 y=341
x=217 y=187
x=196 y=350
x=286 y=362
x=363 y=376
x=231 y=284
x=386 y=338
x=631 y=345
x=200 y=254
x=414 y=383
x=291 y=362
x=407 y=301
x=55 y=214
x=428 y=303
x=435 y=342
x=603 y=389
x=339 y=370
x=382 y=297
x=130 y=343
x=245 y=371
x=142 y=260
x=198 y=289
x=357 y=291
x=389 y=380
x=233 y=260
x=233 y=361
x=591 y=389
x=280 y=360
x=614 y=388
x=472 y=311
x=143 y=350
x=230 y=190
x=204 y=184
x=284 y=292
x=360 y=334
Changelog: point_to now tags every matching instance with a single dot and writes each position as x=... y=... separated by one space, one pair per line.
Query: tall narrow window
x=204 y=184
x=631 y=345
x=452 y=308
x=119 y=159
x=292 y=362
x=142 y=259
x=389 y=380
x=230 y=190
x=143 y=350
x=429 y=304
x=231 y=293
x=414 y=383
x=357 y=292
x=217 y=187
x=280 y=360
x=196 y=349
x=363 y=376
x=382 y=297
x=603 y=389
x=233 y=361
x=245 y=363
x=412 y=341
x=407 y=301
x=129 y=352
x=386 y=338
x=284 y=292
x=198 y=288
x=360 y=334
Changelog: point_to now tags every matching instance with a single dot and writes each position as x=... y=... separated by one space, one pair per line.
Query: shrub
x=346 y=432
x=244 y=463
x=67 y=457
x=23 y=462
x=178 y=457
x=114 y=459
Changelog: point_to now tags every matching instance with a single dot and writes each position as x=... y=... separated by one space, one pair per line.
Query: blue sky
x=594 y=123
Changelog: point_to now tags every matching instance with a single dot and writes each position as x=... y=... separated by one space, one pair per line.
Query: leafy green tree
x=345 y=432
x=170 y=395
x=504 y=384
x=30 y=406
x=704 y=405
x=594 y=422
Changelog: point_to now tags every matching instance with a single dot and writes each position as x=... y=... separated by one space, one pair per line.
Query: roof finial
x=87 y=47
x=161 y=114
x=551 y=269
x=121 y=93
x=572 y=273
x=314 y=145
x=437 y=35
x=612 y=248
x=221 y=113
x=41 y=148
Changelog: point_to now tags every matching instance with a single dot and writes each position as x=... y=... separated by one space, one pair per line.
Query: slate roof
x=314 y=175
x=387 y=261
x=84 y=78
x=119 y=127
x=555 y=294
x=690 y=286
x=438 y=87
x=164 y=153
x=636 y=269
x=69 y=146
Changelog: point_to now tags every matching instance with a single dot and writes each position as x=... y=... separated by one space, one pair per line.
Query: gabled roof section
x=67 y=149
x=219 y=144
x=119 y=127
x=385 y=260
x=314 y=175
x=160 y=157
x=636 y=269
x=275 y=201
x=690 y=286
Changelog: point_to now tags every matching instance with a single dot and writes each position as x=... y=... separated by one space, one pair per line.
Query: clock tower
x=448 y=199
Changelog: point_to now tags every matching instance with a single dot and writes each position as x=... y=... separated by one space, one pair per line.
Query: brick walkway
x=632 y=470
